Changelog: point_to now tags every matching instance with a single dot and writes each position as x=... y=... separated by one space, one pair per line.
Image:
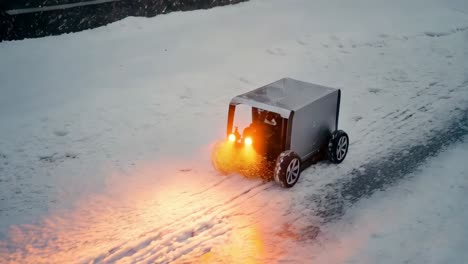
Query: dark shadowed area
x=39 y=18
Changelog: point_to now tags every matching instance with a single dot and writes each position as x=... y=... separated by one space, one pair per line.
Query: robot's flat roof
x=286 y=94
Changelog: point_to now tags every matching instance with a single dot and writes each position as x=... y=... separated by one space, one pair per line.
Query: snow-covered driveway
x=105 y=134
x=422 y=220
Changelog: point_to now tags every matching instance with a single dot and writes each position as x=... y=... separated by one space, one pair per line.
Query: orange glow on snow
x=144 y=219
x=246 y=246
x=229 y=158
x=180 y=218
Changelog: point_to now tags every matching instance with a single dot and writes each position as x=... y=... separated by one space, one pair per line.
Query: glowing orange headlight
x=232 y=137
x=248 y=141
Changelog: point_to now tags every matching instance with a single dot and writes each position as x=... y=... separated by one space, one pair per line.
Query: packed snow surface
x=105 y=137
x=423 y=220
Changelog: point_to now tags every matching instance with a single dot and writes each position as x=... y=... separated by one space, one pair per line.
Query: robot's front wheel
x=287 y=169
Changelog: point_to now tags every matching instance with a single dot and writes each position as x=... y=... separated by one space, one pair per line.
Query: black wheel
x=338 y=146
x=287 y=169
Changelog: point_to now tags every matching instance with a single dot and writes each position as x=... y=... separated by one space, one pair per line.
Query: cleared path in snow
x=421 y=220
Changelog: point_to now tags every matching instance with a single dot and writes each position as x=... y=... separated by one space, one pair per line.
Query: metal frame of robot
x=310 y=113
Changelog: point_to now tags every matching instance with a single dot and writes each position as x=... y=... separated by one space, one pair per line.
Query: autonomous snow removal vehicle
x=288 y=123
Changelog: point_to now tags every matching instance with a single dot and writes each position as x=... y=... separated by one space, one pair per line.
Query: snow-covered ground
x=105 y=137
x=423 y=220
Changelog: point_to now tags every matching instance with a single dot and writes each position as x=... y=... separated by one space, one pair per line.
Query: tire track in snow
x=433 y=34
x=428 y=95
x=328 y=203
x=217 y=214
x=411 y=109
x=202 y=222
x=331 y=202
